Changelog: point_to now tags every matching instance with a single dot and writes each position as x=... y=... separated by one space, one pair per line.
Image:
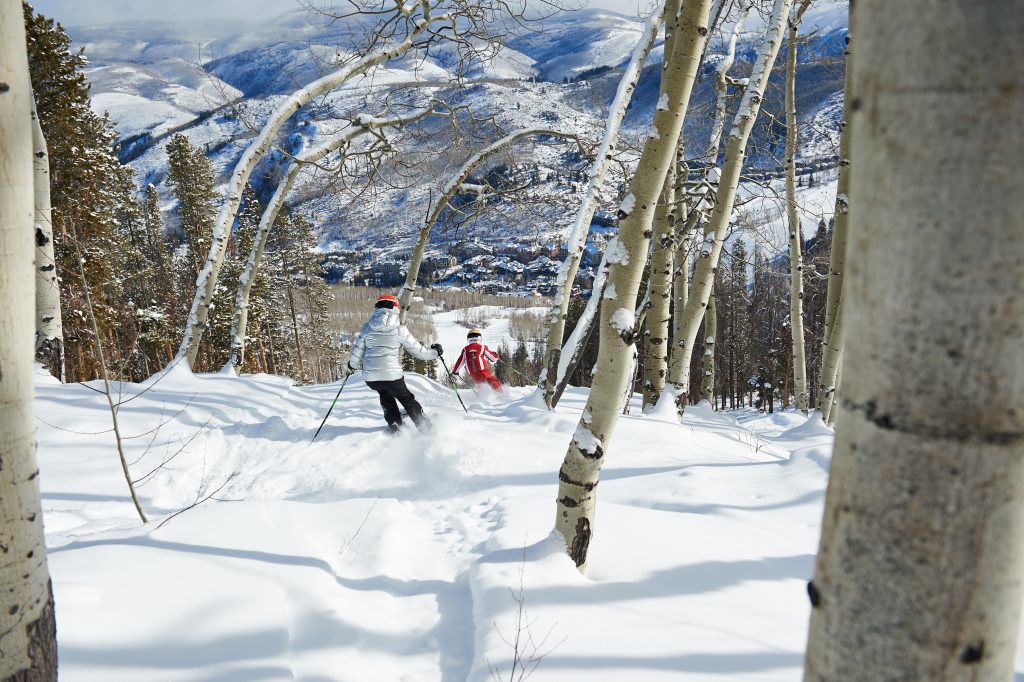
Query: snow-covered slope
x=365 y=557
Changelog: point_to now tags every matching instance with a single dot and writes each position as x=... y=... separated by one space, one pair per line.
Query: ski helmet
x=474 y=334
x=387 y=301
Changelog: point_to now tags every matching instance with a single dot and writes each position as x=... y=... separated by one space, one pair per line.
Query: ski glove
x=350 y=370
x=437 y=347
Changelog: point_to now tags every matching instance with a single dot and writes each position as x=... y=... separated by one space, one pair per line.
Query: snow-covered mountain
x=215 y=84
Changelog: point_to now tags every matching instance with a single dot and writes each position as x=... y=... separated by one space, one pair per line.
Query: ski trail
x=365 y=556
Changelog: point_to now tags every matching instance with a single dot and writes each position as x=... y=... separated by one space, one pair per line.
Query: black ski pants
x=391 y=394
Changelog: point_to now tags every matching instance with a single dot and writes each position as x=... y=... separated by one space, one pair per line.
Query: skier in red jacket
x=478 y=358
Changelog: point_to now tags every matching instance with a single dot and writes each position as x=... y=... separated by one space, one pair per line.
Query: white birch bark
x=49 y=327
x=680 y=294
x=28 y=648
x=743 y=123
x=722 y=88
x=678 y=354
x=577 y=238
x=580 y=471
x=707 y=385
x=659 y=292
x=918 y=574
x=576 y=342
x=360 y=125
x=796 y=260
x=833 y=405
x=832 y=344
x=196 y=324
x=448 y=191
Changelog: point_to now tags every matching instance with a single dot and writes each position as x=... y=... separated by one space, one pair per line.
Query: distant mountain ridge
x=154 y=78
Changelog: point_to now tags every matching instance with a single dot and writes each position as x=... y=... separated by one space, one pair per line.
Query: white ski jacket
x=378 y=347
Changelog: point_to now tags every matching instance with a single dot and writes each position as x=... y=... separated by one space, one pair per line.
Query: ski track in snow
x=368 y=557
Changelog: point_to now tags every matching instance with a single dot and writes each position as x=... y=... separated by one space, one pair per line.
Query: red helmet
x=387 y=301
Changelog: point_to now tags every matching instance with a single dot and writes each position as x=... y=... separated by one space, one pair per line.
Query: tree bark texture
x=577 y=239
x=796 y=259
x=659 y=289
x=578 y=339
x=680 y=295
x=28 y=646
x=707 y=386
x=832 y=344
x=743 y=123
x=679 y=375
x=49 y=328
x=918 y=574
x=580 y=471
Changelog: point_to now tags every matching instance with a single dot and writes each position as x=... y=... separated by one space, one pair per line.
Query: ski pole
x=331 y=407
x=451 y=377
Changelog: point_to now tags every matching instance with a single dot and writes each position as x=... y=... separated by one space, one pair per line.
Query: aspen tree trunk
x=579 y=338
x=679 y=372
x=832 y=361
x=49 y=327
x=918 y=574
x=239 y=323
x=834 y=406
x=680 y=294
x=118 y=440
x=680 y=291
x=577 y=239
x=206 y=281
x=660 y=294
x=447 y=192
x=28 y=644
x=743 y=123
x=580 y=472
x=832 y=344
x=796 y=260
x=707 y=386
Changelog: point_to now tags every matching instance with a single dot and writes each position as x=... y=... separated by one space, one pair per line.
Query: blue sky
x=83 y=12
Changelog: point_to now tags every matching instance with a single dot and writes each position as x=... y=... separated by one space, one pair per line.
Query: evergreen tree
x=503 y=368
x=583 y=373
x=153 y=225
x=734 y=348
x=162 y=313
x=92 y=201
x=190 y=173
x=218 y=337
x=521 y=358
x=294 y=257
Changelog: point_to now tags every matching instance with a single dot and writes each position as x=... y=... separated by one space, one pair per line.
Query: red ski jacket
x=477 y=357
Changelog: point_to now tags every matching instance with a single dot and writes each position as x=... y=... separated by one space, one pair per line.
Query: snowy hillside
x=155 y=80
x=413 y=550
x=149 y=75
x=366 y=557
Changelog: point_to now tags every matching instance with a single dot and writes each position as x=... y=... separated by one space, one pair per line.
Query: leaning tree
x=397 y=28
x=580 y=471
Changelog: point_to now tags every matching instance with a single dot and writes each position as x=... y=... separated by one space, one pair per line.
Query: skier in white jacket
x=377 y=351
